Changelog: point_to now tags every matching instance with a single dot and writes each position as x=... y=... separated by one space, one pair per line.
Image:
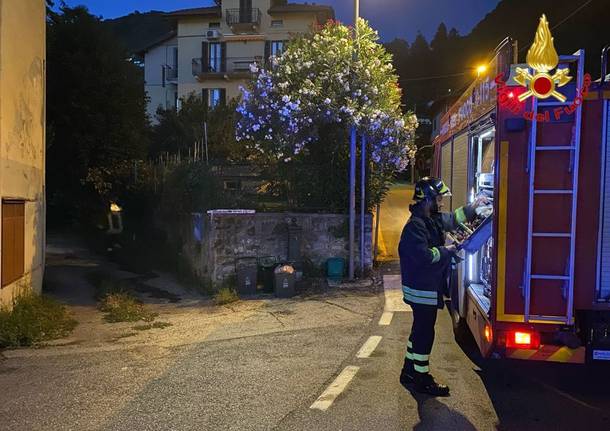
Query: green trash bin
x=266 y=265
x=335 y=268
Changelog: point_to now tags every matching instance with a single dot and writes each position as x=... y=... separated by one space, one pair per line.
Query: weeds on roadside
x=117 y=301
x=225 y=295
x=124 y=307
x=33 y=319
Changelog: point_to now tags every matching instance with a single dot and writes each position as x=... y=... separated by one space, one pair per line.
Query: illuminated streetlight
x=481 y=69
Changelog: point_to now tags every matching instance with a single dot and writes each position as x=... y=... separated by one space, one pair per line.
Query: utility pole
x=352 y=160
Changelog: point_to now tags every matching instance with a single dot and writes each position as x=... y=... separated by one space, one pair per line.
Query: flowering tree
x=317 y=89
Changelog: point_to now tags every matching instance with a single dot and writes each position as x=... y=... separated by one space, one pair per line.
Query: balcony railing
x=231 y=65
x=244 y=16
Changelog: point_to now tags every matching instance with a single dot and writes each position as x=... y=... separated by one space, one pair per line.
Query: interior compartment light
x=488 y=333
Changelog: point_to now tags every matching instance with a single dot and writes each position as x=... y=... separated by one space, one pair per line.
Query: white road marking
x=331 y=393
x=386 y=318
x=368 y=347
x=392 y=287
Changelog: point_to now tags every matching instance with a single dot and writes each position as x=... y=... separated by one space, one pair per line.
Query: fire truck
x=534 y=282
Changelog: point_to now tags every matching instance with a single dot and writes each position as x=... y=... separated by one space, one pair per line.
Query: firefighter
x=424 y=265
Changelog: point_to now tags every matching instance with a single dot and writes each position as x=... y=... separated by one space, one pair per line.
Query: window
x=233 y=185
x=277 y=23
x=175 y=57
x=13 y=241
x=214 y=25
x=215 y=96
x=277 y=47
x=215 y=57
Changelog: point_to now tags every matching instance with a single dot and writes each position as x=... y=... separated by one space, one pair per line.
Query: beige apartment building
x=210 y=51
x=22 y=146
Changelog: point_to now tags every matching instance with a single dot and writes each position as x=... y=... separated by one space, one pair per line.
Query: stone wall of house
x=219 y=241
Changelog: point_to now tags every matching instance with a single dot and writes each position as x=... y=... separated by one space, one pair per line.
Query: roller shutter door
x=459 y=183
x=604 y=257
x=446 y=162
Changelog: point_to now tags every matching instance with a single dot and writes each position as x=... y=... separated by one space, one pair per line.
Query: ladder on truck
x=574 y=149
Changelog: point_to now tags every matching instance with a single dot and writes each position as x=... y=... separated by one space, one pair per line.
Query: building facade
x=22 y=146
x=210 y=52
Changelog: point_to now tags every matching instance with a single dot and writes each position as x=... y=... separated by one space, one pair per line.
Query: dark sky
x=392 y=18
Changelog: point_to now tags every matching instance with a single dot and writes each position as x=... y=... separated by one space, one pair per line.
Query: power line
x=432 y=77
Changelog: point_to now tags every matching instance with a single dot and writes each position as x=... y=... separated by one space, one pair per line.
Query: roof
x=301 y=8
x=159 y=41
x=212 y=11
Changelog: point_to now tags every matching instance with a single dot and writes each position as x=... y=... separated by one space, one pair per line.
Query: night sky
x=392 y=18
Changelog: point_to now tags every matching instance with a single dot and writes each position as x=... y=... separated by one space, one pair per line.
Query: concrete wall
x=228 y=237
x=22 y=128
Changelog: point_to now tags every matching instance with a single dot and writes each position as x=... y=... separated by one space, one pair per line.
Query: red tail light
x=523 y=340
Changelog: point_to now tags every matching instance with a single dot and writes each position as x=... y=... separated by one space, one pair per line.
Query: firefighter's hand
x=481 y=201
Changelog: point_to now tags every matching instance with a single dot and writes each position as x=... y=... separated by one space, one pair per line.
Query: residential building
x=210 y=51
x=22 y=146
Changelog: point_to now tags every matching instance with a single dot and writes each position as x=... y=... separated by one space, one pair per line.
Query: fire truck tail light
x=523 y=340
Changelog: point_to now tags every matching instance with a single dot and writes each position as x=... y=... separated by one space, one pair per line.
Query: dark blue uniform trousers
x=421 y=339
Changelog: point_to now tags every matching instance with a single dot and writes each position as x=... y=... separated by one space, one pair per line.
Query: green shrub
x=123 y=307
x=225 y=295
x=33 y=319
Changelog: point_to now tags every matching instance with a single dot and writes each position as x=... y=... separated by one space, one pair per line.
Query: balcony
x=231 y=67
x=244 y=20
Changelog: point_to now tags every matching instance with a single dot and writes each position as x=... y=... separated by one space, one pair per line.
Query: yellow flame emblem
x=542 y=57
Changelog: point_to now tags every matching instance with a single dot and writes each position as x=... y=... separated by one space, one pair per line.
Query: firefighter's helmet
x=430 y=188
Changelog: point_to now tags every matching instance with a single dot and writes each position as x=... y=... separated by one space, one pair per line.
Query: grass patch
x=154 y=325
x=225 y=295
x=124 y=307
x=33 y=319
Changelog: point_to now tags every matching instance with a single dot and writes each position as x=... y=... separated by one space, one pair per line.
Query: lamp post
x=352 y=162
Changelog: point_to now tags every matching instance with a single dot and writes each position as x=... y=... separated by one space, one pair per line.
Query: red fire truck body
x=539 y=286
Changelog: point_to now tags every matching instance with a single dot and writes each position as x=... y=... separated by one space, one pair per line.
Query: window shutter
x=267 y=50
x=205 y=54
x=223 y=56
x=205 y=96
x=223 y=96
x=162 y=76
x=13 y=241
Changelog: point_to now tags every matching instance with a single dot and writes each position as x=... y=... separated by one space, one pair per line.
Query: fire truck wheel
x=460 y=327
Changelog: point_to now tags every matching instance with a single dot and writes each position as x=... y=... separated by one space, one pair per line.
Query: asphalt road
x=266 y=372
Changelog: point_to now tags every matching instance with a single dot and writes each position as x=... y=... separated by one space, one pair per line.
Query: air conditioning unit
x=213 y=34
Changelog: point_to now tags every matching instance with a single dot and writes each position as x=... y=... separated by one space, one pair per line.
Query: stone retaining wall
x=218 y=241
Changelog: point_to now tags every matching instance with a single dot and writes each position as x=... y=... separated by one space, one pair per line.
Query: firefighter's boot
x=425 y=384
x=407 y=375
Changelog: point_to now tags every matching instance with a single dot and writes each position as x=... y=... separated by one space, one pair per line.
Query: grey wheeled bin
x=283 y=281
x=246 y=276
